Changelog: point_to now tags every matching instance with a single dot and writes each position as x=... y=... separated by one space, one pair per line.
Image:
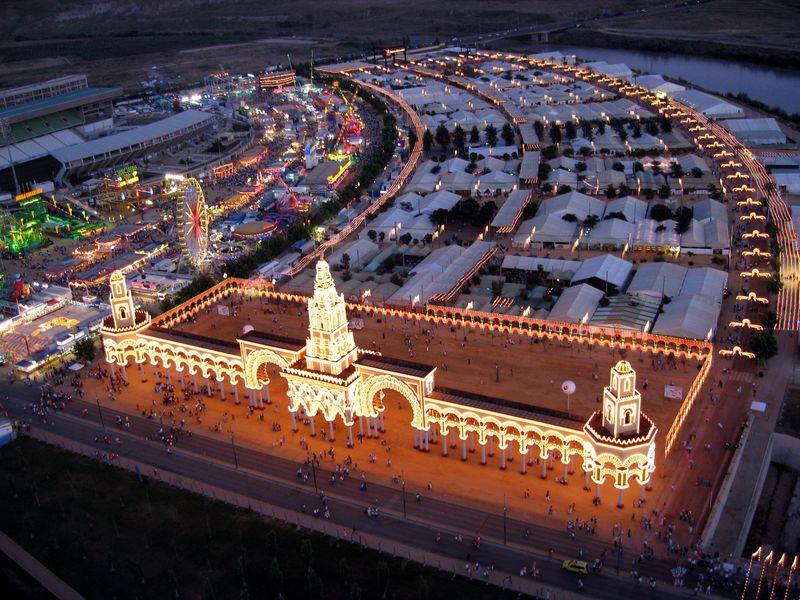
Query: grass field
x=110 y=536
x=99 y=38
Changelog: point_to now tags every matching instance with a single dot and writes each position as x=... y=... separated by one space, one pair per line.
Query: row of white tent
x=708 y=229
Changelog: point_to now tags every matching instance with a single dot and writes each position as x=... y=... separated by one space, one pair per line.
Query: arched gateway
x=329 y=376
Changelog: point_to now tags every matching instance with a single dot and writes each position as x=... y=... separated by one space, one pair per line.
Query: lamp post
x=100 y=411
x=403 y=486
x=505 y=517
x=314 y=472
x=233 y=447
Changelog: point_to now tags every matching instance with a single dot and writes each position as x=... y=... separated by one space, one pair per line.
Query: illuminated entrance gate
x=329 y=376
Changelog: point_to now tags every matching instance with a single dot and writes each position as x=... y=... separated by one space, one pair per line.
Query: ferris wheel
x=193 y=221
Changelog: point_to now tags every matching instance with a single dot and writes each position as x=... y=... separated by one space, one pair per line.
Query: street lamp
x=235 y=458
x=403 y=485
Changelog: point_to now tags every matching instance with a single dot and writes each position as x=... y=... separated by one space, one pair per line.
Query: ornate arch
x=257 y=358
x=369 y=388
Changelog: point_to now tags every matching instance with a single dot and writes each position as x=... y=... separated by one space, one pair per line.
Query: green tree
x=382 y=573
x=571 y=130
x=275 y=575
x=345 y=261
x=372 y=234
x=491 y=135
x=664 y=191
x=316 y=591
x=427 y=141
x=307 y=551
x=590 y=221
x=683 y=219
x=660 y=212
x=697 y=172
x=555 y=133
x=85 y=350
x=509 y=139
x=405 y=238
x=459 y=140
x=764 y=345
x=474 y=135
x=611 y=192
x=538 y=128
x=442 y=136
x=272 y=543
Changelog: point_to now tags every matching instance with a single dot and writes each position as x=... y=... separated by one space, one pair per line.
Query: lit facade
x=328 y=375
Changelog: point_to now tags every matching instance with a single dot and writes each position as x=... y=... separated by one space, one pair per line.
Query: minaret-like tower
x=123 y=312
x=622 y=403
x=330 y=347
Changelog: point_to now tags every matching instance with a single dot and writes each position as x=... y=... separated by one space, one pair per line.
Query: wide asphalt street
x=273 y=480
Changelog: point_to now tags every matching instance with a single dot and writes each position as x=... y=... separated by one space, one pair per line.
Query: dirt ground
x=530 y=371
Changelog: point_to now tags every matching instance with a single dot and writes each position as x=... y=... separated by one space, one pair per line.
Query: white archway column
x=313 y=430
x=416 y=436
x=235 y=389
x=156 y=373
x=621 y=499
x=503 y=458
x=523 y=463
x=586 y=481
x=597 y=490
x=445 y=444
x=331 y=432
x=361 y=425
x=643 y=496
x=543 y=464
x=566 y=470
x=265 y=390
x=208 y=387
x=194 y=383
x=141 y=372
x=294 y=420
x=180 y=378
x=124 y=373
x=169 y=376
x=483 y=453
x=464 y=449
x=349 y=436
x=453 y=435
x=221 y=390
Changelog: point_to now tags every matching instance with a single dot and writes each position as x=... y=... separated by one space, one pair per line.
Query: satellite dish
x=247 y=329
x=568 y=387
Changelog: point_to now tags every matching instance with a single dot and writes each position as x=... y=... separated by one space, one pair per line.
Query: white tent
x=576 y=304
x=688 y=316
x=606 y=267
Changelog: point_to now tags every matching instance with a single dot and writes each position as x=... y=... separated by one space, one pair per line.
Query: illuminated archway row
x=541 y=328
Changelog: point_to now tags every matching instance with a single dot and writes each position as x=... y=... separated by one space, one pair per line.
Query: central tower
x=330 y=346
x=622 y=402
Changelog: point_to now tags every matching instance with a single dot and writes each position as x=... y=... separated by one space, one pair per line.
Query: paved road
x=273 y=480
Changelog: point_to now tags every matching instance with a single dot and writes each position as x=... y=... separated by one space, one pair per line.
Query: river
x=771 y=85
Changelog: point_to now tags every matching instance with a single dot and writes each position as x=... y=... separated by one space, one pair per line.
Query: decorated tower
x=123 y=312
x=622 y=402
x=330 y=347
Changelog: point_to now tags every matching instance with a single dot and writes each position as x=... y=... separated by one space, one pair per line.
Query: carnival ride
x=193 y=222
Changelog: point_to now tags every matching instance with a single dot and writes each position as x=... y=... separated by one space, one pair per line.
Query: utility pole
x=235 y=458
x=505 y=517
x=403 y=483
x=100 y=411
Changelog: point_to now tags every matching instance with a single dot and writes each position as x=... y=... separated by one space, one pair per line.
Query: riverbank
x=749 y=53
